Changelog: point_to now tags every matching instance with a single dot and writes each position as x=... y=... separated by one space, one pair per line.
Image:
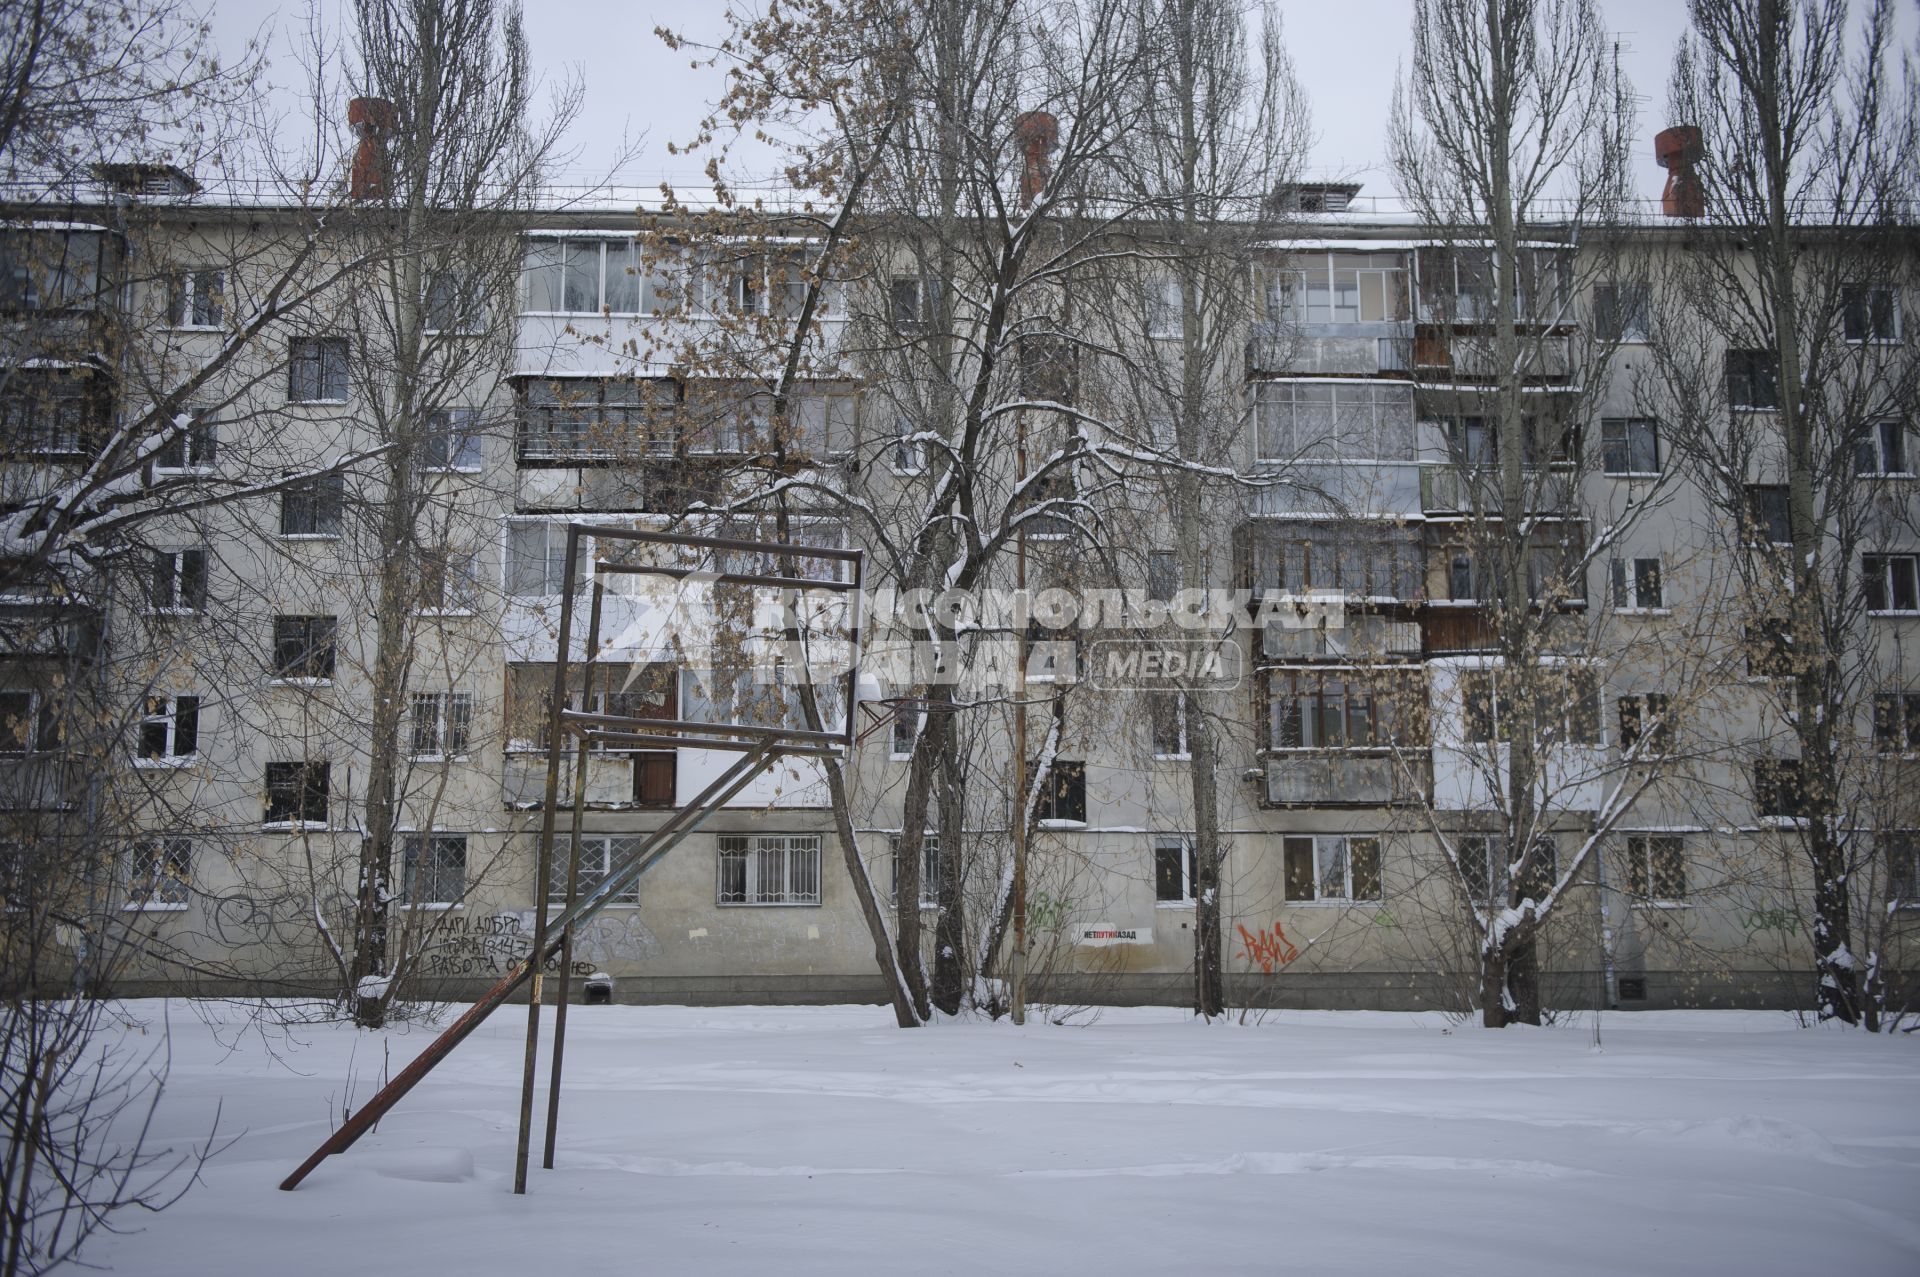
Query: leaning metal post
x=543 y=861
x=659 y=843
x=573 y=882
x=758 y=746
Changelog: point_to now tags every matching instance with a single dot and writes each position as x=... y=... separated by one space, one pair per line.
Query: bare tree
x=1224 y=126
x=1508 y=137
x=455 y=164
x=1778 y=358
x=87 y=81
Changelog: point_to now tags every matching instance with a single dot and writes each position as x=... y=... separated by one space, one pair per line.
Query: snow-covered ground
x=802 y=1140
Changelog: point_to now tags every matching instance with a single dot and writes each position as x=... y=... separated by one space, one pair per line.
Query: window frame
x=1903 y=880
x=417 y=845
x=1896 y=723
x=1857 y=301
x=184 y=571
x=917 y=719
x=911 y=313
x=59 y=414
x=168 y=723
x=1175 y=852
x=190 y=295
x=1629 y=324
x=168 y=874
x=446 y=727
x=1063 y=787
x=1307 y=686
x=452 y=293
x=1168 y=709
x=1578 y=711
x=591 y=876
x=1886 y=442
x=1619 y=432
x=1881 y=576
x=1495 y=861
x=1327 y=852
x=1767 y=511
x=1644 y=876
x=749 y=849
x=39 y=726
x=906 y=451
x=198 y=446
x=1637 y=711
x=931 y=867
x=319 y=363
x=318 y=501
x=1783 y=779
x=307 y=796
x=449 y=583
x=553 y=562
x=1641 y=579
x=1752 y=380
x=452 y=436
x=319 y=651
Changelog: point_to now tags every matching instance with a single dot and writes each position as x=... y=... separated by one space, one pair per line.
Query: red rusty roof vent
x=1678 y=149
x=371 y=120
x=1038 y=133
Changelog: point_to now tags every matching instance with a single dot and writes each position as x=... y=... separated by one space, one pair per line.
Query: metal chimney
x=371 y=120
x=1678 y=150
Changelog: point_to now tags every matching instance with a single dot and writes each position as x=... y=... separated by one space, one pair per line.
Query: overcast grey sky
x=1347 y=51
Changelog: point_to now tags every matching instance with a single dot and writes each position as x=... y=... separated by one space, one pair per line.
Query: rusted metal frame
x=668 y=836
x=647 y=741
x=727 y=578
x=798 y=734
x=723 y=543
x=543 y=860
x=756 y=758
x=661 y=841
x=573 y=883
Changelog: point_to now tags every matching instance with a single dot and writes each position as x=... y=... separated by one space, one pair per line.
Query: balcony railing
x=1452 y=489
x=644 y=779
x=1345 y=780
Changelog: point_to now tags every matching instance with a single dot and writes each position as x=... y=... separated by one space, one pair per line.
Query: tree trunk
x=950 y=961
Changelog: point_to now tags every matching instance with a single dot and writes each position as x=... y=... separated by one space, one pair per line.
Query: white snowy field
x=803 y=1140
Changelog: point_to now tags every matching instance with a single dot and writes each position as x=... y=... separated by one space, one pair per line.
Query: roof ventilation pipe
x=1678 y=149
x=1038 y=133
x=371 y=120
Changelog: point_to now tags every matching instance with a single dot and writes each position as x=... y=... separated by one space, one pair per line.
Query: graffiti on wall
x=1268 y=947
x=489 y=944
x=1773 y=918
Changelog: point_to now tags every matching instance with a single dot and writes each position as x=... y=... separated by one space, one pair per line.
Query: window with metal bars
x=769 y=869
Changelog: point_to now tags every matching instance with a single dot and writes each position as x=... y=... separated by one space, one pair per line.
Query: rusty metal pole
x=573 y=883
x=543 y=860
x=657 y=844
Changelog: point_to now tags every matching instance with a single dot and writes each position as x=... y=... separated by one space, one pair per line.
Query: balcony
x=666 y=487
x=1441 y=353
x=1345 y=780
x=1453 y=489
x=1356 y=638
x=1364 y=560
x=615 y=781
x=41 y=782
x=1367 y=350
